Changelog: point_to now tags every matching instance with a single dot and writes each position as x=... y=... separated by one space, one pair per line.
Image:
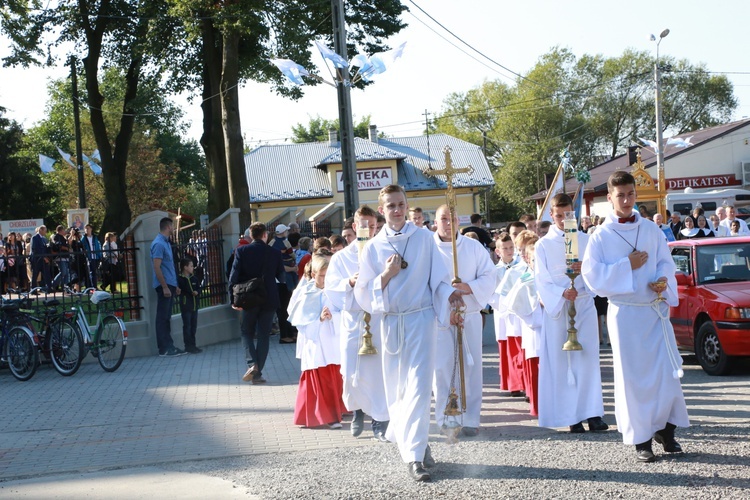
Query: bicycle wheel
x=21 y=353
x=111 y=342
x=66 y=347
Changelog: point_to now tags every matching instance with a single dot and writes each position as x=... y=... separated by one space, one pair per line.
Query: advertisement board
x=20 y=226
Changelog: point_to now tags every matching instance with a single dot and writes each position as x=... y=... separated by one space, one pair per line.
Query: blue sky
x=513 y=33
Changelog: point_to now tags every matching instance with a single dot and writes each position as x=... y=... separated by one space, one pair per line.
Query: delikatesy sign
x=367 y=179
x=20 y=226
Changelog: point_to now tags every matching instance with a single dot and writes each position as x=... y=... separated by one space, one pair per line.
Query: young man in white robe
x=507 y=258
x=570 y=382
x=402 y=277
x=625 y=259
x=478 y=281
x=364 y=392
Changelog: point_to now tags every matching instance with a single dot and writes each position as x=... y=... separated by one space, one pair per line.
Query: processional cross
x=451 y=408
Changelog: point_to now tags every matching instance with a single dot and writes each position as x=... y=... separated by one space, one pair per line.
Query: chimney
x=333 y=137
x=373 y=134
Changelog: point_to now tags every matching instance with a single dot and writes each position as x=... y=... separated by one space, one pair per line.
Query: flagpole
x=550 y=189
x=79 y=147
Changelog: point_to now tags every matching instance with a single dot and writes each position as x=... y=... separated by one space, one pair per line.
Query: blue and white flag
x=45 y=163
x=92 y=165
x=65 y=156
x=293 y=71
x=332 y=56
x=95 y=155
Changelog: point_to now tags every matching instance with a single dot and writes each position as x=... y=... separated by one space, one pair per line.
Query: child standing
x=320 y=385
x=190 y=291
x=523 y=301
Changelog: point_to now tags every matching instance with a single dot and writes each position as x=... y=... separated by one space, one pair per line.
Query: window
x=681 y=258
x=683 y=208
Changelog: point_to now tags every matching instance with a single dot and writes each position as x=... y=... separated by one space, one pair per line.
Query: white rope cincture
x=677 y=371
x=401 y=328
x=355 y=377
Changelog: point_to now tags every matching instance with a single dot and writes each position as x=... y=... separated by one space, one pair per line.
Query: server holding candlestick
x=363 y=235
x=573 y=270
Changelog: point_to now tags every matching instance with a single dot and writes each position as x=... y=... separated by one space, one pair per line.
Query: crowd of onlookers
x=68 y=257
x=723 y=223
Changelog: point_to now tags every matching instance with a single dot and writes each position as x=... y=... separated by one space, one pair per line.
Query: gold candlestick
x=363 y=235
x=571 y=343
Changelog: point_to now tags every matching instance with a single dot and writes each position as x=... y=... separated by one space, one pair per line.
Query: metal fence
x=206 y=249
x=120 y=279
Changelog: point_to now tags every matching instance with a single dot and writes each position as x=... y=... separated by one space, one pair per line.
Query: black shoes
x=378 y=430
x=193 y=350
x=358 y=423
x=517 y=394
x=428 y=462
x=644 y=453
x=577 y=428
x=665 y=437
x=418 y=472
x=470 y=431
x=596 y=424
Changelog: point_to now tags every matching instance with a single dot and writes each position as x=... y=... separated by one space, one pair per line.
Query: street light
x=659 y=136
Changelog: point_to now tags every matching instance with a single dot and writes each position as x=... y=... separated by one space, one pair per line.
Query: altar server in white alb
x=570 y=382
x=402 y=277
x=624 y=260
x=478 y=282
x=507 y=258
x=364 y=392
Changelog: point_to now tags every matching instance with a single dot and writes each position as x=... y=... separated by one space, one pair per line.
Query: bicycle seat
x=51 y=302
x=100 y=296
x=10 y=305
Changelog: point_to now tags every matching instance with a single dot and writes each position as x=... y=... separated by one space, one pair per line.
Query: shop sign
x=708 y=181
x=368 y=179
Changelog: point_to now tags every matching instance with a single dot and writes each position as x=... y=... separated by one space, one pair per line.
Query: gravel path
x=553 y=465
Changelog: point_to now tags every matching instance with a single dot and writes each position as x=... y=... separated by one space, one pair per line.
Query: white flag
x=45 y=163
x=65 y=156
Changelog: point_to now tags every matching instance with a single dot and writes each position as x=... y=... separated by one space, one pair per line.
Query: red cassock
x=319 y=397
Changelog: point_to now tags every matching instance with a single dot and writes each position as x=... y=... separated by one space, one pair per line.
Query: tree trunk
x=239 y=195
x=212 y=139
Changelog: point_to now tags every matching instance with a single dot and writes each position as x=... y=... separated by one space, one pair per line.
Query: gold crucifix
x=450 y=195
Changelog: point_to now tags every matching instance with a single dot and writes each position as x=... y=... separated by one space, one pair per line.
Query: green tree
x=228 y=43
x=24 y=193
x=154 y=179
x=119 y=34
x=594 y=105
x=317 y=129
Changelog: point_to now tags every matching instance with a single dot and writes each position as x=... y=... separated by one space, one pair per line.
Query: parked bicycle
x=107 y=338
x=18 y=347
x=58 y=337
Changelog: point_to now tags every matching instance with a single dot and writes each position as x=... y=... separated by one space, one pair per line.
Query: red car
x=713 y=284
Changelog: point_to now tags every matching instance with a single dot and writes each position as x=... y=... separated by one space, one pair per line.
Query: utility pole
x=343 y=87
x=77 y=121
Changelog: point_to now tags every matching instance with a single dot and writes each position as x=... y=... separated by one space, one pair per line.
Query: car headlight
x=737 y=313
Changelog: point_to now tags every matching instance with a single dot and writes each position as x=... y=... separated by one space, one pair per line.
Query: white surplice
x=647 y=364
x=318 y=341
x=523 y=302
x=570 y=382
x=363 y=375
x=475 y=269
x=411 y=304
x=499 y=316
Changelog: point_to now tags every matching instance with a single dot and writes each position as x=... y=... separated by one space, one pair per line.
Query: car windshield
x=722 y=263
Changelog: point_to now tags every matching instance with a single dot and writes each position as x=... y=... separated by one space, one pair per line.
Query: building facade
x=302 y=182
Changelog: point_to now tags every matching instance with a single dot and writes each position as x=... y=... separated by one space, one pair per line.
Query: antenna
x=427 y=128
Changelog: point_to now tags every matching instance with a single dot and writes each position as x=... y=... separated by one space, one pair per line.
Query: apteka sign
x=368 y=179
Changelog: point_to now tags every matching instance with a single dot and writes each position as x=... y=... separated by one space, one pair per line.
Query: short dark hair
x=60 y=228
x=561 y=200
x=526 y=218
x=620 y=178
x=475 y=218
x=294 y=238
x=364 y=211
x=504 y=237
x=337 y=240
x=517 y=223
x=257 y=230
x=184 y=262
x=164 y=223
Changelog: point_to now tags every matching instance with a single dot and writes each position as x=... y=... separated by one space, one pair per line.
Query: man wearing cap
x=281 y=244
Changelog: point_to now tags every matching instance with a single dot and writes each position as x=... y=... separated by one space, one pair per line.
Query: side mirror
x=682 y=279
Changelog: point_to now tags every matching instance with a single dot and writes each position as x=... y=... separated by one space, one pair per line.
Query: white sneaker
x=335 y=425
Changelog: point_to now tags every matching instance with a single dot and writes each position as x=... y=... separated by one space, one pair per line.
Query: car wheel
x=708 y=350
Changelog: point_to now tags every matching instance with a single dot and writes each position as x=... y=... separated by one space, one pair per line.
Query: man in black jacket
x=252 y=261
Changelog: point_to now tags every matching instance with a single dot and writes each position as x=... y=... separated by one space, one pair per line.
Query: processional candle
x=571 y=239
